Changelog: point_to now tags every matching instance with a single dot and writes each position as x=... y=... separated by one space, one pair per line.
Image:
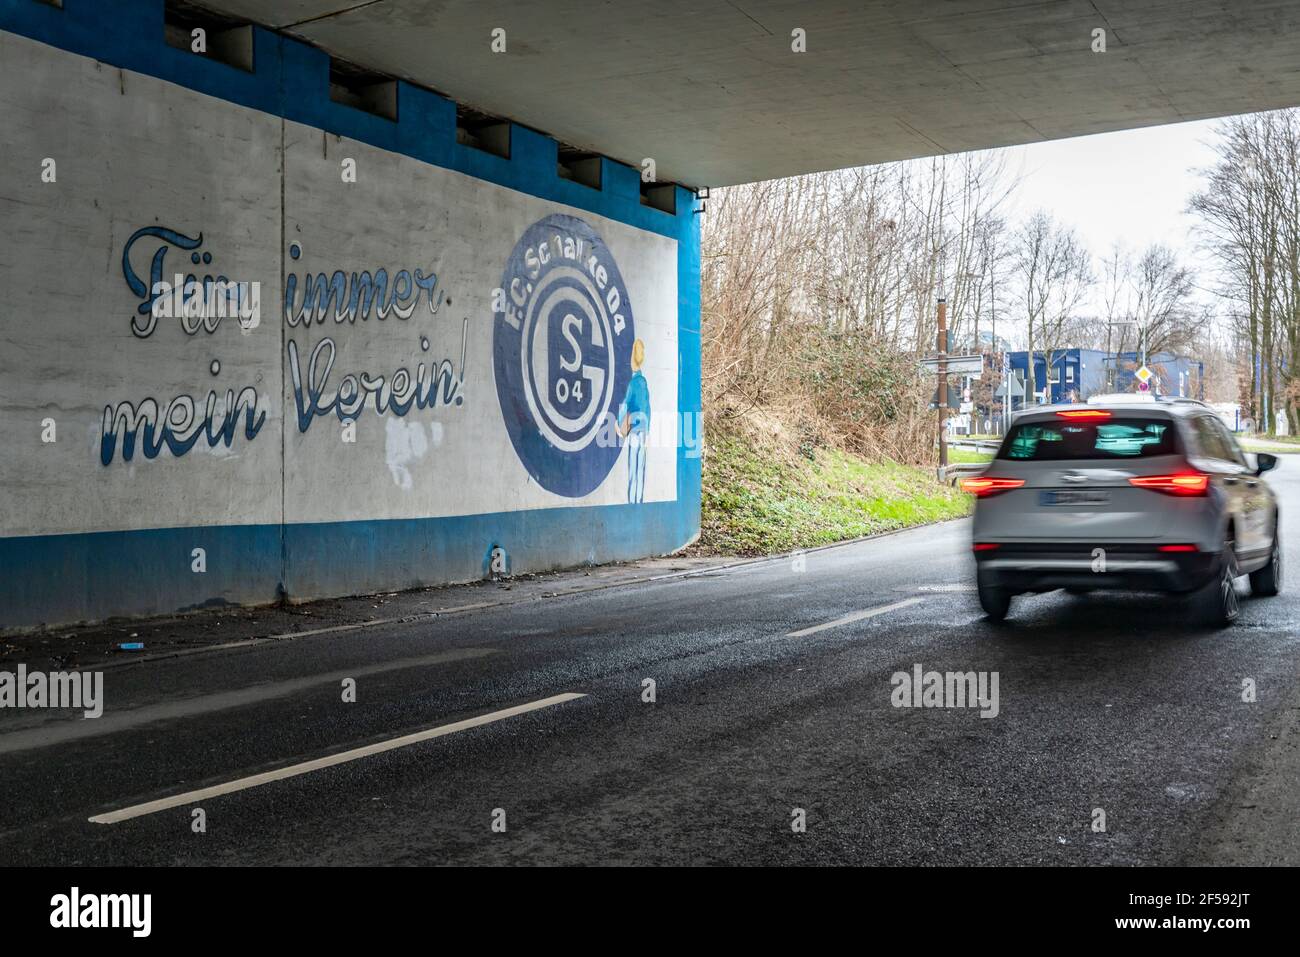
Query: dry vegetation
x=1249 y=216
x=818 y=294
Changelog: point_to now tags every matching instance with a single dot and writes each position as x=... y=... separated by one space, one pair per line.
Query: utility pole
x=943 y=381
x=1113 y=358
x=1110 y=372
x=998 y=379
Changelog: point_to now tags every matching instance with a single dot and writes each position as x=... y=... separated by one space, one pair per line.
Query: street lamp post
x=943 y=381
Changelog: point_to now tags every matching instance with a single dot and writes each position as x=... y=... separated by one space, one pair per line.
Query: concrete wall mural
x=322 y=385
x=199 y=305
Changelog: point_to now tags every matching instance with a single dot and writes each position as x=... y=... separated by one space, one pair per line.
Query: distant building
x=1079 y=373
x=987 y=343
x=1230 y=414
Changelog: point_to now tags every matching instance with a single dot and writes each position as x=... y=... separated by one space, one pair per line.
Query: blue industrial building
x=1080 y=373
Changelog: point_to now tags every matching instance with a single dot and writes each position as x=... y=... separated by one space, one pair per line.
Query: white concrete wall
x=312 y=505
x=456 y=459
x=168 y=157
x=130 y=152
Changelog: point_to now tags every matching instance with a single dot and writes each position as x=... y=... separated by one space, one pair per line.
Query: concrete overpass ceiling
x=711 y=90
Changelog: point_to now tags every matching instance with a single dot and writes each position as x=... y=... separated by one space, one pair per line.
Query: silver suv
x=1146 y=496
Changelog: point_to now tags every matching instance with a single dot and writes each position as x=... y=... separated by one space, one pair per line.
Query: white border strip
x=293 y=770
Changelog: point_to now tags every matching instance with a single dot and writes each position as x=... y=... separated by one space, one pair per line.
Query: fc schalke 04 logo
x=562 y=354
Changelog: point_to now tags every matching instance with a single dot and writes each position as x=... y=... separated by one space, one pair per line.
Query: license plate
x=1074 y=497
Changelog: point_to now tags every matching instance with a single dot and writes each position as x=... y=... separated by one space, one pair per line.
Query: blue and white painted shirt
x=636 y=404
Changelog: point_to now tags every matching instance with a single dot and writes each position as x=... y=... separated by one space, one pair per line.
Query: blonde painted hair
x=638 y=355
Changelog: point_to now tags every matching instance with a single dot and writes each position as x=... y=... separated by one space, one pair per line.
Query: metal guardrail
x=951 y=473
x=979 y=445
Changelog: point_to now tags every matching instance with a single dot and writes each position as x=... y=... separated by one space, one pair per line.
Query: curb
x=479 y=606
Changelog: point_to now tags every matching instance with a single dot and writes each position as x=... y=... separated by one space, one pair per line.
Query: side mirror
x=1264 y=462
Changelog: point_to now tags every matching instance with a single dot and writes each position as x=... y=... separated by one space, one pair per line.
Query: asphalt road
x=1104 y=702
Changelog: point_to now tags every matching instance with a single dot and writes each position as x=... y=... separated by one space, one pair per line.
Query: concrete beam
x=712 y=91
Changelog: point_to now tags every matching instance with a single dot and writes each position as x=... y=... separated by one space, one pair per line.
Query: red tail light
x=1187 y=483
x=1083 y=414
x=1177 y=548
x=984 y=487
x=984 y=546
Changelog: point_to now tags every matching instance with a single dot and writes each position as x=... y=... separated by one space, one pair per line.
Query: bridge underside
x=712 y=90
x=356 y=440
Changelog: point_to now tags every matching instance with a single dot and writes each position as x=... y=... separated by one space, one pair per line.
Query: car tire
x=1217 y=601
x=1268 y=580
x=995 y=601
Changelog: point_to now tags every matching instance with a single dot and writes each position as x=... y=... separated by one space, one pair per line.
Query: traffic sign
x=1014 y=383
x=957 y=365
x=954 y=399
x=1143 y=374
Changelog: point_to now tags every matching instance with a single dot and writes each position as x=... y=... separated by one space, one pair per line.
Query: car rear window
x=1119 y=438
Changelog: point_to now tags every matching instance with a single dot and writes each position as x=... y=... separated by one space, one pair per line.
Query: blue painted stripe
x=58 y=579
x=54 y=579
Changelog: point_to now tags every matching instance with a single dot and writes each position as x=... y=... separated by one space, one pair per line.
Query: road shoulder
x=1256 y=820
x=101 y=644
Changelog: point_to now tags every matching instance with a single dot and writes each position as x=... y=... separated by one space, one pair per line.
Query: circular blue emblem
x=562 y=354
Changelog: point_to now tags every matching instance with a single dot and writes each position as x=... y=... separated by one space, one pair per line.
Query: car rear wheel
x=1268 y=580
x=995 y=601
x=1217 y=601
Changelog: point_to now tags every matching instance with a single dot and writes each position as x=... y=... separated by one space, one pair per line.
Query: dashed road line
x=855 y=616
x=306 y=767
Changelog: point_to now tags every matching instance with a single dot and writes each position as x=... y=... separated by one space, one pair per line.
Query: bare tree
x=1249 y=216
x=1051 y=271
x=1162 y=302
x=818 y=292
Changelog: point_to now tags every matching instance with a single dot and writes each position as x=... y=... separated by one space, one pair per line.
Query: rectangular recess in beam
x=362 y=90
x=482 y=131
x=660 y=196
x=195 y=30
x=579 y=166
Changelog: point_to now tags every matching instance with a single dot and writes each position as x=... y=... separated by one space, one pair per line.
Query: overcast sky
x=1132 y=185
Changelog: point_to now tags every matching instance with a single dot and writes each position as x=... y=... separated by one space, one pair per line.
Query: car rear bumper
x=1021 y=568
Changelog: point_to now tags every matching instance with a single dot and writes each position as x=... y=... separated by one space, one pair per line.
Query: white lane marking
x=856 y=616
x=306 y=767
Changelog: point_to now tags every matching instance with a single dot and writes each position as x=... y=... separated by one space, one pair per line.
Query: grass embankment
x=757 y=500
x=1286 y=444
x=968 y=455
